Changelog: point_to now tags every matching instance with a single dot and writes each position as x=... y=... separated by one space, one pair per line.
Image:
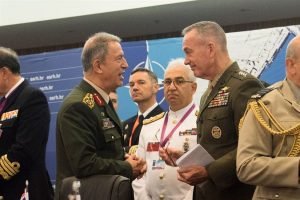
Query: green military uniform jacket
x=88 y=137
x=217 y=126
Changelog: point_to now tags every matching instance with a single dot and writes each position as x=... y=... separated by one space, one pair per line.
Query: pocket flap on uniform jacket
x=111 y=136
x=217 y=115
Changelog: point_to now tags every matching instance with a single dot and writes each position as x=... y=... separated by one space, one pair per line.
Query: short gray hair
x=96 y=45
x=9 y=58
x=209 y=29
x=179 y=62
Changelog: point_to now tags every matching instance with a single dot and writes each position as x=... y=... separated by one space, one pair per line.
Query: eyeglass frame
x=176 y=82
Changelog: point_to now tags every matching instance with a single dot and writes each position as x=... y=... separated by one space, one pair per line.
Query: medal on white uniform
x=186 y=145
x=161 y=175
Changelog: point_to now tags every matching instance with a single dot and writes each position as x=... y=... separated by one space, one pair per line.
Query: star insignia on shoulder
x=243 y=73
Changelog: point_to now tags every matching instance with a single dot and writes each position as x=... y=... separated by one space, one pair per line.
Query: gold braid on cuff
x=8 y=169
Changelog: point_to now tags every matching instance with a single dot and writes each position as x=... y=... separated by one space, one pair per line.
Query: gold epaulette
x=258 y=107
x=88 y=99
x=254 y=97
x=153 y=119
x=8 y=169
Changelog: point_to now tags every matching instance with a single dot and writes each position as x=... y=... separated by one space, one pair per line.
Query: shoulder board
x=154 y=118
x=88 y=99
x=262 y=92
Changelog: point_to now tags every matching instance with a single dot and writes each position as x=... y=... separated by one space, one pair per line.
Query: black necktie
x=111 y=104
x=141 y=119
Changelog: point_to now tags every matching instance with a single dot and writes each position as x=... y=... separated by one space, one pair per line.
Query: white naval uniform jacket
x=162 y=183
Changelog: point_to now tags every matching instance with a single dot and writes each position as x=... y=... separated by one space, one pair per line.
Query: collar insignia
x=99 y=100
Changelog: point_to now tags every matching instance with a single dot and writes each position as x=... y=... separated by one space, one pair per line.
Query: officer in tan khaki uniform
x=269 y=143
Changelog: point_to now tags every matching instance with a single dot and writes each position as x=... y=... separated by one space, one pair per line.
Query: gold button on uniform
x=161 y=196
x=161 y=175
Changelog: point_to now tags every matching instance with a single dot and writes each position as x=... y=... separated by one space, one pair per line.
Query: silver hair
x=209 y=29
x=179 y=62
x=9 y=58
x=96 y=45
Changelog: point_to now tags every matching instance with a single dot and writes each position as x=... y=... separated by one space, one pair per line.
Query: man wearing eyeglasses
x=221 y=108
x=175 y=128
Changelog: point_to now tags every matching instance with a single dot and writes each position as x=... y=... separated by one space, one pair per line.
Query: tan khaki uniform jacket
x=262 y=157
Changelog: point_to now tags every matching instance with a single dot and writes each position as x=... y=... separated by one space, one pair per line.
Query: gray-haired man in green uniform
x=221 y=108
x=89 y=132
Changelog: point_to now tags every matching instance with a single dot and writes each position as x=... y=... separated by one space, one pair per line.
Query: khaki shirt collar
x=213 y=82
x=99 y=90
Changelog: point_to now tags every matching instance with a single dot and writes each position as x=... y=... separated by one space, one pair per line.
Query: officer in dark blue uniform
x=24 y=127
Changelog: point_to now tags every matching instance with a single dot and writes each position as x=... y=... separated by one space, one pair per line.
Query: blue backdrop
x=56 y=73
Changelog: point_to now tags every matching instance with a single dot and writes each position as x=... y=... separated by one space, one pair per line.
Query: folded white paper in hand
x=195 y=156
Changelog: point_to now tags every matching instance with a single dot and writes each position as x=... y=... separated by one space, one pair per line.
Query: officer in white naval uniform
x=175 y=128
